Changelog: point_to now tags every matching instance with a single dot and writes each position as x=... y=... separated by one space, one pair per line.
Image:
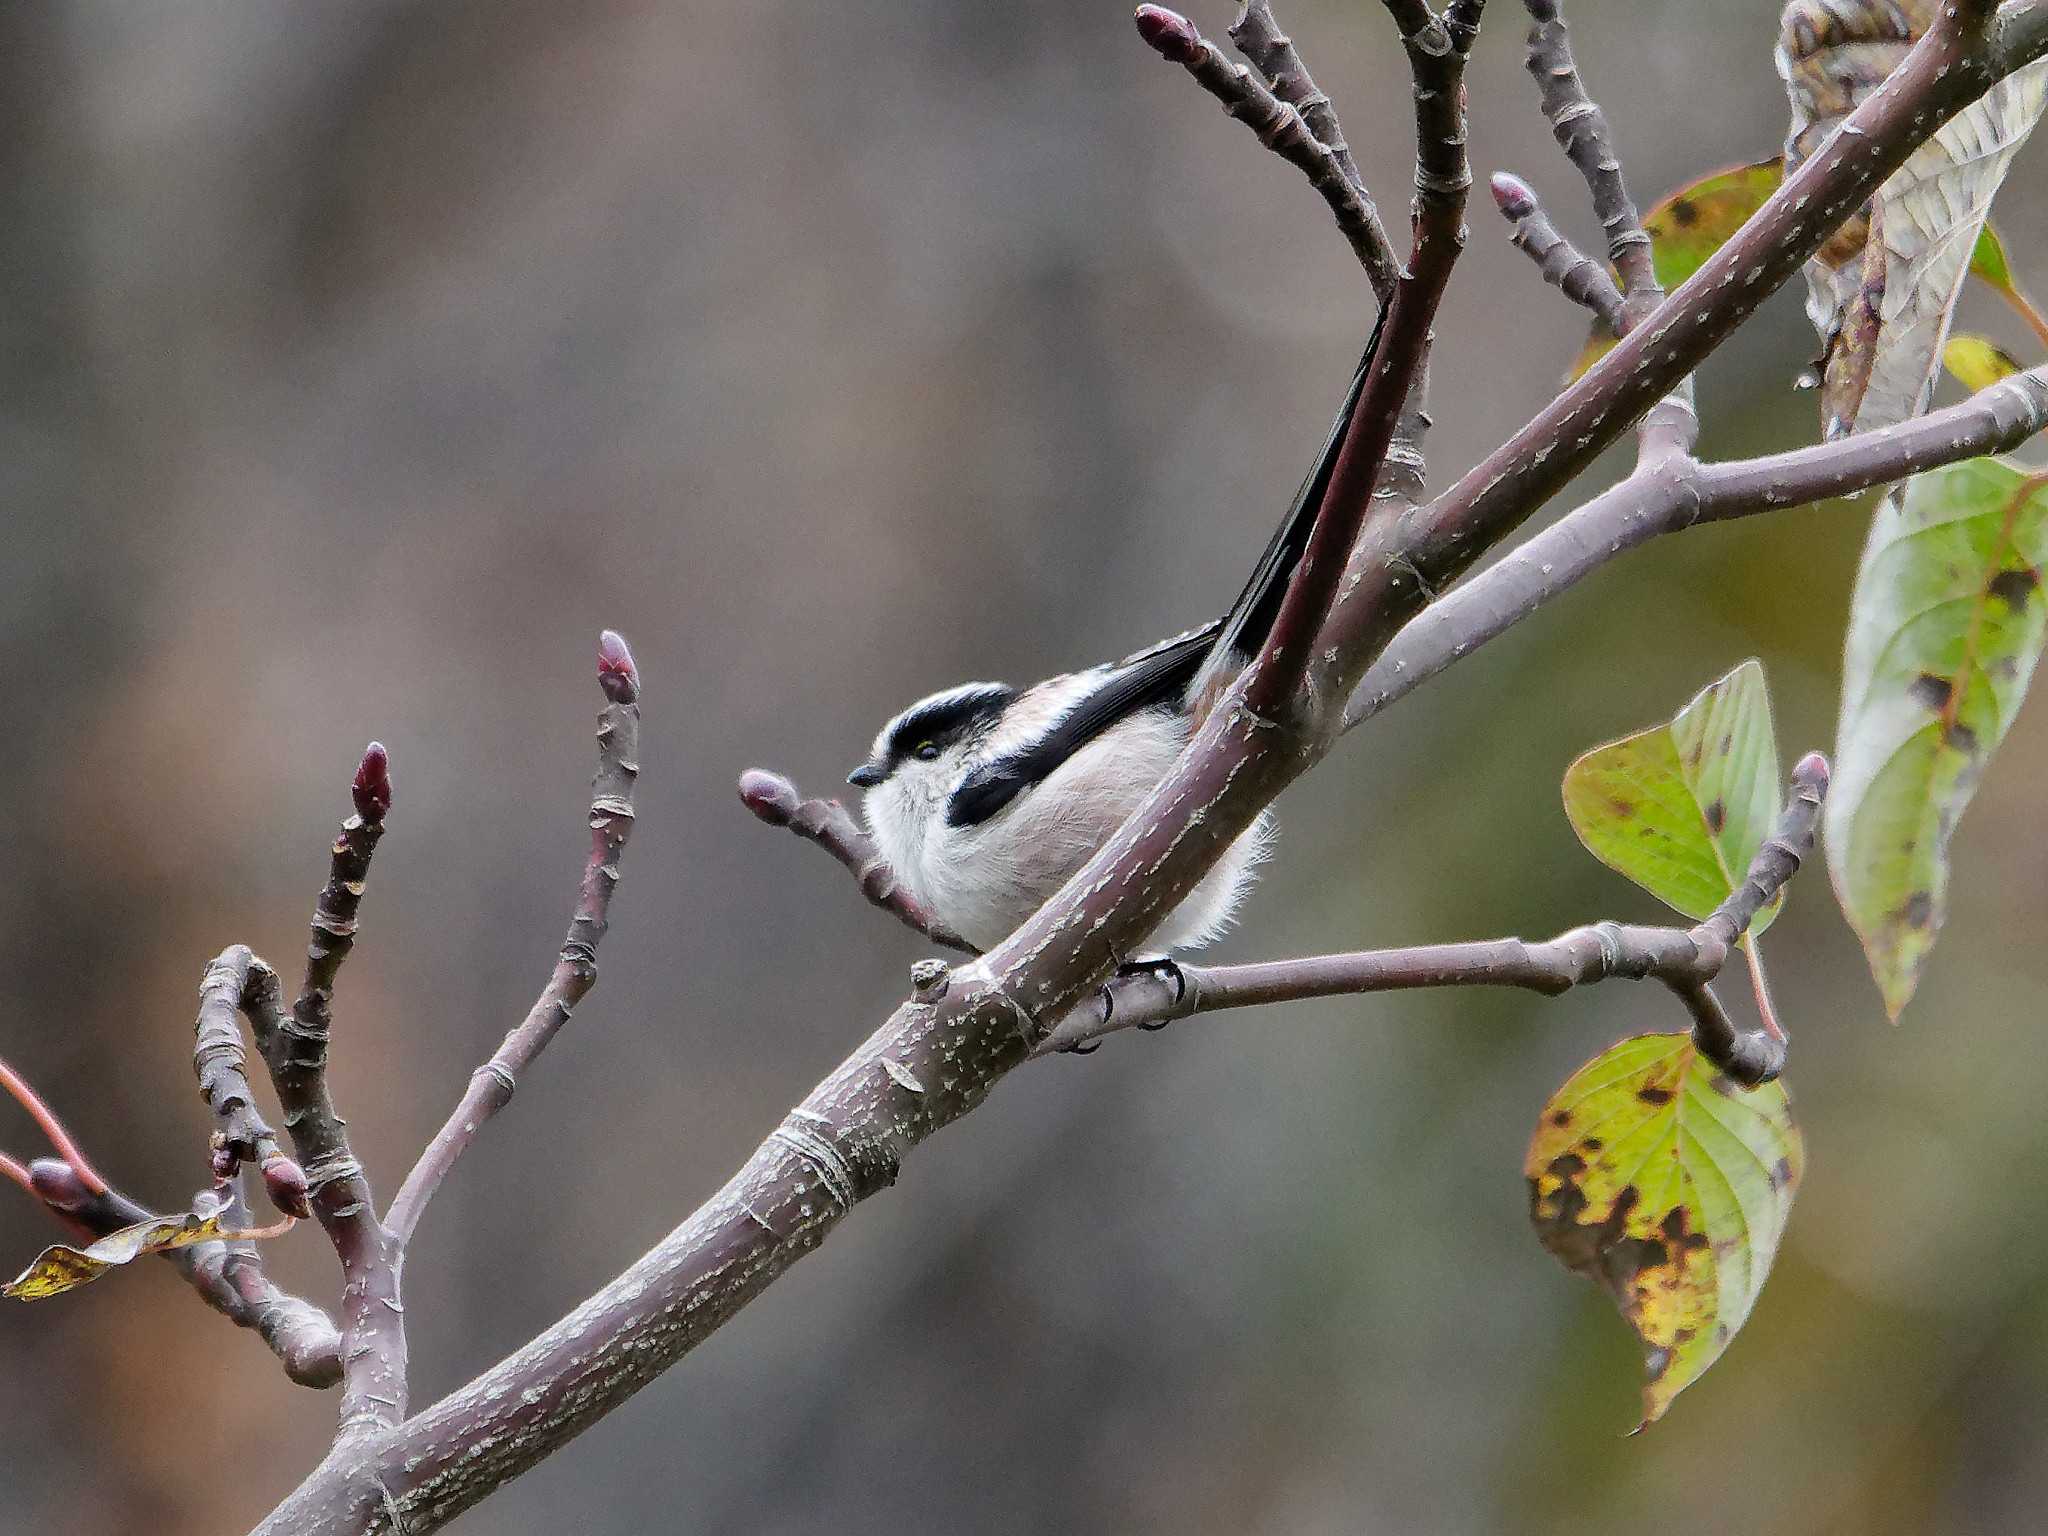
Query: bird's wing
x=1151 y=678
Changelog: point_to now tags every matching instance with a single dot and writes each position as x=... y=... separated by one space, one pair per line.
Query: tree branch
x=1580 y=278
x=937 y=1057
x=1257 y=35
x=1674 y=496
x=1685 y=960
x=1281 y=128
x=611 y=823
x=1436 y=48
x=830 y=826
x=1582 y=133
x=229 y=1277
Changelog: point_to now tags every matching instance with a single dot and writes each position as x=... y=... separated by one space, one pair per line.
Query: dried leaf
x=60 y=1267
x=1978 y=363
x=1945 y=628
x=1884 y=315
x=1682 y=808
x=1659 y=1179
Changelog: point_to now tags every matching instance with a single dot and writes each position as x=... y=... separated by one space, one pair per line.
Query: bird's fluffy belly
x=984 y=880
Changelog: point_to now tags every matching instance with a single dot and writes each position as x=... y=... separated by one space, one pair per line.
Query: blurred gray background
x=359 y=362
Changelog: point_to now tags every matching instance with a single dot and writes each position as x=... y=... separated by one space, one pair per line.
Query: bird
x=984 y=798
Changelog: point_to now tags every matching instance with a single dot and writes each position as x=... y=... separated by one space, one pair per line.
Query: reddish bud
x=616 y=674
x=769 y=796
x=1813 y=769
x=1169 y=32
x=1515 y=198
x=372 y=787
x=286 y=1182
x=58 y=1185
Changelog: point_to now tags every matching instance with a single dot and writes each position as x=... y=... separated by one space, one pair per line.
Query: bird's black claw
x=1160 y=968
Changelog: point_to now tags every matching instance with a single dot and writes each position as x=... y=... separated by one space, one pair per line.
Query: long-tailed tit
x=985 y=798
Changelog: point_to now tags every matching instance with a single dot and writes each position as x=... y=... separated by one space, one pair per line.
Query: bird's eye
x=926 y=751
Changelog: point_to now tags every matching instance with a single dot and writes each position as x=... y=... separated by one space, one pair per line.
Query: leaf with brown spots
x=60 y=1267
x=1945 y=628
x=1682 y=808
x=1660 y=1180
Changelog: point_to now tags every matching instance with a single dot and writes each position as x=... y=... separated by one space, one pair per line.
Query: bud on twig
x=1515 y=198
x=769 y=796
x=1169 y=32
x=372 y=787
x=286 y=1184
x=58 y=1185
x=616 y=673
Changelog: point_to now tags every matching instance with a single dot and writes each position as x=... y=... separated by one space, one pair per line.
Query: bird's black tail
x=1250 y=619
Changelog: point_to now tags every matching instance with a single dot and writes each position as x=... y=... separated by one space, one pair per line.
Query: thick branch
x=830 y=826
x=1676 y=495
x=575 y=973
x=1281 y=128
x=936 y=1059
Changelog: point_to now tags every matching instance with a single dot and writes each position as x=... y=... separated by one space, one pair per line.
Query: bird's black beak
x=867 y=775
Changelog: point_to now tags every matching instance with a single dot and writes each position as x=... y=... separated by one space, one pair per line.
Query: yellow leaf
x=60 y=1267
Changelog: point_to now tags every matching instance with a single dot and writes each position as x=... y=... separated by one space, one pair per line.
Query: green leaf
x=1660 y=1180
x=1681 y=809
x=1978 y=363
x=1945 y=627
x=1987 y=261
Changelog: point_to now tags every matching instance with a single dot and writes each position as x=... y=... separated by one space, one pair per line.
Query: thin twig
x=1281 y=128
x=1581 y=279
x=1257 y=35
x=19 y=1089
x=830 y=826
x=575 y=973
x=1685 y=960
x=1582 y=133
x=303 y=1338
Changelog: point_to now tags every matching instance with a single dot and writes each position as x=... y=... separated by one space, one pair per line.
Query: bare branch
x=1671 y=497
x=1281 y=128
x=19 y=1089
x=830 y=826
x=1582 y=132
x=1685 y=960
x=1257 y=34
x=1581 y=279
x=228 y=1276
x=575 y=973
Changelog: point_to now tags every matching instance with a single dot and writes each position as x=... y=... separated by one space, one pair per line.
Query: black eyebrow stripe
x=944 y=716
